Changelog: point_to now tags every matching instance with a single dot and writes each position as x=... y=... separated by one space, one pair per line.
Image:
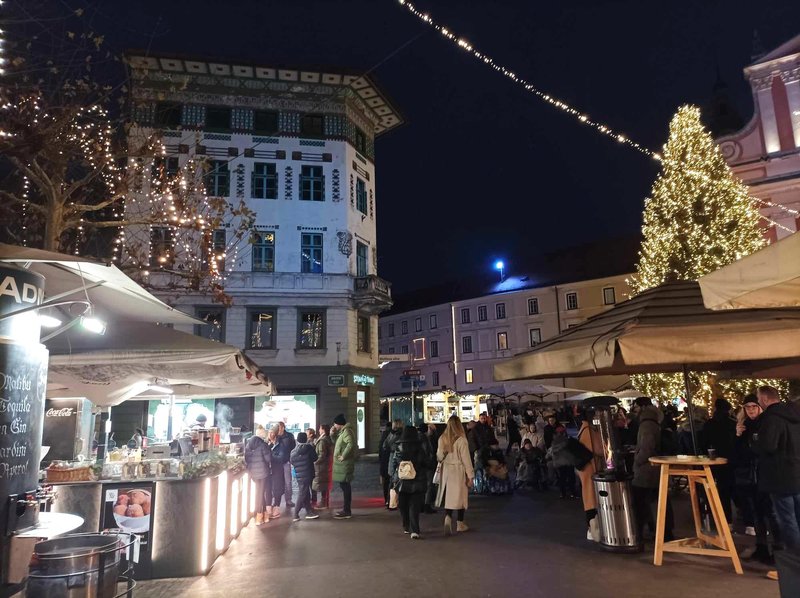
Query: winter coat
x=346 y=448
x=277 y=478
x=559 y=453
x=288 y=442
x=483 y=435
x=548 y=432
x=537 y=439
x=383 y=454
x=745 y=459
x=648 y=444
x=778 y=449
x=456 y=469
x=302 y=459
x=719 y=433
x=590 y=438
x=414 y=451
x=279 y=454
x=258 y=458
x=323 y=464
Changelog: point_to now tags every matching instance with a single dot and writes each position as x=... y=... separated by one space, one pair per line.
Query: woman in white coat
x=456 y=474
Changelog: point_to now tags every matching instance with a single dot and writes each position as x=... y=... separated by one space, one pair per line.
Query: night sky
x=482 y=169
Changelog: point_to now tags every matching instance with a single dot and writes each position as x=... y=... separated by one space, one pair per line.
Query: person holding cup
x=718 y=437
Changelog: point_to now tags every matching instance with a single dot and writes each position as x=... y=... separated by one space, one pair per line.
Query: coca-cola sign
x=65 y=412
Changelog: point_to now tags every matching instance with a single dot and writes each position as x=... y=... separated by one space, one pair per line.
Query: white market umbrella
x=767 y=278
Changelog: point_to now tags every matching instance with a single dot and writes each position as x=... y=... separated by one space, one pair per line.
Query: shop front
x=433 y=407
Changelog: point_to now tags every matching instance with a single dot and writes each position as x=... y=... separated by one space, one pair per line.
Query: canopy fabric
x=767 y=278
x=130 y=357
x=113 y=295
x=661 y=330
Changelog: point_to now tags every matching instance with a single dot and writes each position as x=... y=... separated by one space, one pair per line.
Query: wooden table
x=698 y=472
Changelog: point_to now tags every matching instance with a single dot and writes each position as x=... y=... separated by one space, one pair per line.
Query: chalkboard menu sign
x=61 y=418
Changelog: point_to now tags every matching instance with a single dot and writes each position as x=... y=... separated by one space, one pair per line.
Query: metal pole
x=690 y=406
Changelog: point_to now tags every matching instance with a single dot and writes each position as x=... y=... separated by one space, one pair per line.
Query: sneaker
x=749 y=531
x=448 y=525
x=594 y=529
x=405 y=531
x=295 y=520
x=589 y=535
x=313 y=516
x=415 y=536
x=342 y=515
x=773 y=575
x=461 y=526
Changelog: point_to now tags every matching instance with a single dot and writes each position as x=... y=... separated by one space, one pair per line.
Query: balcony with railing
x=372 y=294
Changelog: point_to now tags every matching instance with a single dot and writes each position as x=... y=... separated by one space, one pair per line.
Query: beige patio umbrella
x=767 y=278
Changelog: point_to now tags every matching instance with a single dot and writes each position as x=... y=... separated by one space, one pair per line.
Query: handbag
x=437 y=475
x=579 y=453
x=406 y=470
x=393 y=498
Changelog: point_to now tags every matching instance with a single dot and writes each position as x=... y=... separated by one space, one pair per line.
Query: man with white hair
x=778 y=448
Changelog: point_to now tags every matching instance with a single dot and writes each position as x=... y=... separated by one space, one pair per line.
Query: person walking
x=410 y=488
x=287 y=439
x=323 y=466
x=277 y=478
x=457 y=474
x=719 y=434
x=590 y=438
x=344 y=462
x=258 y=459
x=302 y=459
x=778 y=450
x=430 y=438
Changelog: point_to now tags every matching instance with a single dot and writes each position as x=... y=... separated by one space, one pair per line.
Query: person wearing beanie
x=345 y=450
x=302 y=459
x=719 y=434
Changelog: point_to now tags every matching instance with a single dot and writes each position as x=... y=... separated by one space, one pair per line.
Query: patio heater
x=612 y=482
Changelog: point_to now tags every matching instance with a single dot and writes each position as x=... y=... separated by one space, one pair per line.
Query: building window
x=312 y=183
x=483 y=314
x=261 y=331
x=419 y=348
x=535 y=335
x=264 y=182
x=363 y=334
x=468 y=375
x=361 y=196
x=362 y=261
x=263 y=252
x=391 y=328
x=165 y=169
x=434 y=378
x=418 y=324
x=500 y=311
x=360 y=141
x=312 y=125
x=434 y=348
x=466 y=344
x=404 y=349
x=214 y=327
x=218 y=179
x=502 y=341
x=213 y=253
x=465 y=315
x=609 y=296
x=403 y=327
x=161 y=250
x=265 y=122
x=572 y=300
x=391 y=350
x=533 y=306
x=311 y=253
x=311 y=329
x=168 y=115
x=432 y=321
x=218 y=119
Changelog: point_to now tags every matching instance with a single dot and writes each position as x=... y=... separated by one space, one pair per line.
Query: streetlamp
x=499 y=265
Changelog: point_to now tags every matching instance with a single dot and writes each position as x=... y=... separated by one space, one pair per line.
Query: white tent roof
x=121 y=364
x=114 y=296
x=767 y=278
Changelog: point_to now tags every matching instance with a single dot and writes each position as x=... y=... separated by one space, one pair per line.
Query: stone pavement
x=526 y=545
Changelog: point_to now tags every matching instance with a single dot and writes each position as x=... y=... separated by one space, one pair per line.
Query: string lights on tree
x=698 y=218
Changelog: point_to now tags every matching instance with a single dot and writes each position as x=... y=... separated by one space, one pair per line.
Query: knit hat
x=302 y=437
x=339 y=420
x=722 y=405
x=750 y=399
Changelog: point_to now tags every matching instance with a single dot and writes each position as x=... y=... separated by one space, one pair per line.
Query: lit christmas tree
x=698 y=218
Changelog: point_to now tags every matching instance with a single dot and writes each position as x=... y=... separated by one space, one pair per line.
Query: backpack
x=668 y=444
x=406 y=470
x=579 y=453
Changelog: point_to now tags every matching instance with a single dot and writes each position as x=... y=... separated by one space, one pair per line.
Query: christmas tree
x=698 y=218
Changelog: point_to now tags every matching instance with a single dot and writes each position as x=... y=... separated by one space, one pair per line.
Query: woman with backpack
x=408 y=469
x=258 y=459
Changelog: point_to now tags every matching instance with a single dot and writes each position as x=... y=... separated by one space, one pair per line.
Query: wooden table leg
x=698 y=521
x=661 y=519
x=723 y=530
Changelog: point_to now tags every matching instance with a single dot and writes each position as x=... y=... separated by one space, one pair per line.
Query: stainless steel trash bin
x=615 y=514
x=76 y=566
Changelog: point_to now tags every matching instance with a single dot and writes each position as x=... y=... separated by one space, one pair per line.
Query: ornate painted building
x=297 y=147
x=766 y=152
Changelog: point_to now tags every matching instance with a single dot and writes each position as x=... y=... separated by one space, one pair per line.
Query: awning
x=113 y=295
x=767 y=278
x=131 y=357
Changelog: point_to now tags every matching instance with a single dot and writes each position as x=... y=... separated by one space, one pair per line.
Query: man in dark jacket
x=645 y=476
x=411 y=492
x=778 y=449
x=303 y=458
x=385 y=450
x=286 y=438
x=719 y=434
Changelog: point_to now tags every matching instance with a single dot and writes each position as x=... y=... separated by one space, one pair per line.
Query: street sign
x=363 y=379
x=413 y=372
x=417 y=384
x=336 y=380
x=395 y=357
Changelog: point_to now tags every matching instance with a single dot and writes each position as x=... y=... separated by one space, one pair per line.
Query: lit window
x=311 y=329
x=261 y=334
x=535 y=336
x=161 y=246
x=572 y=300
x=502 y=341
x=609 y=296
x=533 y=306
x=311 y=253
x=483 y=313
x=214 y=327
x=419 y=348
x=468 y=375
x=466 y=344
x=263 y=248
x=500 y=311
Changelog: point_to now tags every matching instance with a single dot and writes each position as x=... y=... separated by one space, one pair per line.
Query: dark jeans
x=723 y=477
x=347 y=490
x=431 y=490
x=460 y=513
x=410 y=506
x=278 y=485
x=787 y=511
x=303 y=497
x=386 y=481
x=287 y=476
x=566 y=480
x=645 y=501
x=758 y=512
